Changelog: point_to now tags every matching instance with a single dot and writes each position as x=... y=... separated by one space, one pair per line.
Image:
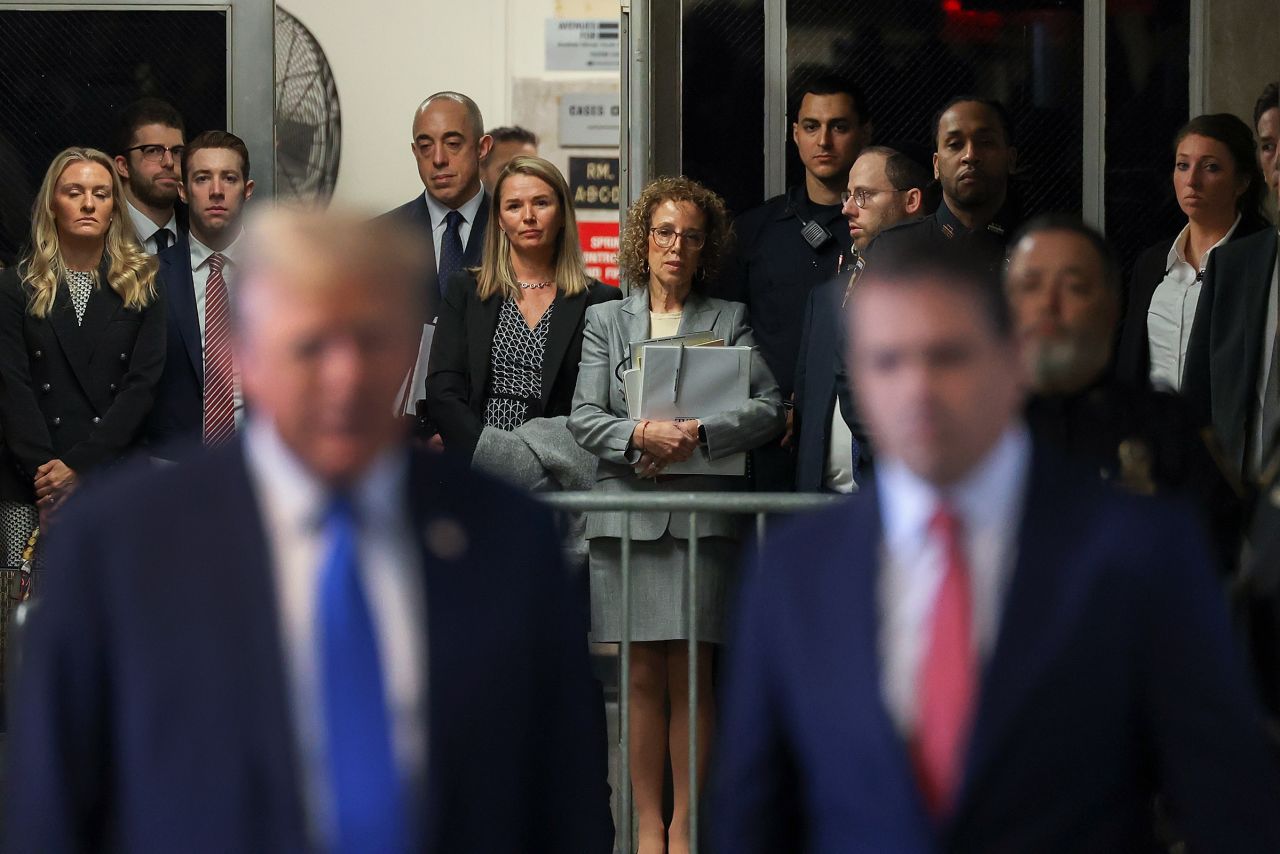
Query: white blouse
x=1173 y=309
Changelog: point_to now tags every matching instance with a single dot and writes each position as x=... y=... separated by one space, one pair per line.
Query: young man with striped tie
x=198 y=396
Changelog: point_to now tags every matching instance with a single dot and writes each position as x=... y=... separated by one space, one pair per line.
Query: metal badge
x=948 y=231
x=859 y=265
x=1136 y=461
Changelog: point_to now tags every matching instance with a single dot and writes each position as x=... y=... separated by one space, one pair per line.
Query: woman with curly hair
x=676 y=235
x=81 y=338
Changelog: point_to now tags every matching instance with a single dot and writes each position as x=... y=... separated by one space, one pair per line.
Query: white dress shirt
x=989 y=503
x=1173 y=309
x=469 y=209
x=292 y=503
x=838 y=474
x=1264 y=370
x=200 y=271
x=146 y=230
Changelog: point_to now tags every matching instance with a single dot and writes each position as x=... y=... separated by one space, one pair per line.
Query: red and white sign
x=599 y=241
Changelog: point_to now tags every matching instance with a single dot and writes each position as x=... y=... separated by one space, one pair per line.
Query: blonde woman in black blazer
x=81 y=337
x=509 y=335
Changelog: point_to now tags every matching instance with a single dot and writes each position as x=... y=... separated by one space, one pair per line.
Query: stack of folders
x=686 y=377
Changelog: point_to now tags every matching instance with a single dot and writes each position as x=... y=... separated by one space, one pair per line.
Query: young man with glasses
x=148 y=148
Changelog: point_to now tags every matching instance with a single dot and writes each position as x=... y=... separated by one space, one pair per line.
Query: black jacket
x=458 y=373
x=417 y=217
x=178 y=413
x=1133 y=353
x=75 y=393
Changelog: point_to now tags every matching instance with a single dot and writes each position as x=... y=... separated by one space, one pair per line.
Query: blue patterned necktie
x=450 y=249
x=367 y=793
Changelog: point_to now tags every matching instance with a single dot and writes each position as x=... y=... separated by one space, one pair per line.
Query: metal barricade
x=761 y=505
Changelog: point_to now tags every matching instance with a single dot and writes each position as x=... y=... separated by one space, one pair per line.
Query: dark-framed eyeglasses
x=155 y=153
x=862 y=195
x=665 y=236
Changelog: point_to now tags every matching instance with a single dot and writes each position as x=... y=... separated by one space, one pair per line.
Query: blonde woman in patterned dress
x=81 y=339
x=509 y=335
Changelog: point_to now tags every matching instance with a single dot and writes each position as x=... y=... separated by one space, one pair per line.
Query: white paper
x=414 y=387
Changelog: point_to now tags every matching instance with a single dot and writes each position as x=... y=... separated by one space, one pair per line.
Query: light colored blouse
x=1173 y=309
x=664 y=324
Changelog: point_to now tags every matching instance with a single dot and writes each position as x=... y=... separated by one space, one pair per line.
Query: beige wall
x=1243 y=53
x=387 y=55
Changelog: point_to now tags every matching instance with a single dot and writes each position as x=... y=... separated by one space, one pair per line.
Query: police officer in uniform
x=1063 y=285
x=796 y=241
x=973 y=160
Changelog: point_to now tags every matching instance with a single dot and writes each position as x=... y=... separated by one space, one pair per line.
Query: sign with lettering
x=584 y=44
x=594 y=182
x=590 y=120
x=599 y=242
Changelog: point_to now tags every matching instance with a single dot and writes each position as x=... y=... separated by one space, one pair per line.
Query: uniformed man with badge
x=1063 y=285
x=973 y=161
x=796 y=241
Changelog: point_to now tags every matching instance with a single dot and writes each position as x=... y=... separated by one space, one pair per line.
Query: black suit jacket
x=1133 y=353
x=178 y=413
x=153 y=712
x=416 y=215
x=458 y=374
x=1226 y=346
x=78 y=393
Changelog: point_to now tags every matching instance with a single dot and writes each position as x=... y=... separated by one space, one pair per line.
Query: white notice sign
x=583 y=44
x=590 y=120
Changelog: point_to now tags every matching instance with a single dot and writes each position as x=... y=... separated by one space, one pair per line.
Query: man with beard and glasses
x=1063 y=285
x=973 y=160
x=149 y=145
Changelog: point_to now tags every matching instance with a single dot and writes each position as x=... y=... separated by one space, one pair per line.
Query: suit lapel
x=474 y=251
x=1041 y=604
x=698 y=316
x=482 y=323
x=1239 y=369
x=420 y=214
x=175 y=271
x=853 y=644
x=564 y=323
x=62 y=319
x=257 y=616
x=635 y=318
x=103 y=304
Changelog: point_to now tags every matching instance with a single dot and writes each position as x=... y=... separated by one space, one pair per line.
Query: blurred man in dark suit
x=983 y=650
x=309 y=638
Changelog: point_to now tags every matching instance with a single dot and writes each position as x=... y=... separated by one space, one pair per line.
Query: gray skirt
x=659 y=588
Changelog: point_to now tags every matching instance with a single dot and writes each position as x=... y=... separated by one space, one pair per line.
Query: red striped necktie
x=219 y=371
x=946 y=684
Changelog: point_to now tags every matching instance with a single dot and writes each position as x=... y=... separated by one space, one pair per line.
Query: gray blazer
x=599 y=422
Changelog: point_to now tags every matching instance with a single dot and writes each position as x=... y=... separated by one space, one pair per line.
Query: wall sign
x=590 y=120
x=583 y=44
x=594 y=182
x=599 y=242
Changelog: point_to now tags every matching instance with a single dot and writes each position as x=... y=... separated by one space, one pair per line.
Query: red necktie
x=219 y=372
x=947 y=681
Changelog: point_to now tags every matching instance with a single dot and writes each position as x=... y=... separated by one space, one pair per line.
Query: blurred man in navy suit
x=309 y=638
x=985 y=650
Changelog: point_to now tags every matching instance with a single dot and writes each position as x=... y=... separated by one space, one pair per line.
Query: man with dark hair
x=795 y=241
x=1266 y=121
x=508 y=142
x=198 y=396
x=985 y=649
x=1063 y=284
x=885 y=187
x=148 y=153
x=974 y=158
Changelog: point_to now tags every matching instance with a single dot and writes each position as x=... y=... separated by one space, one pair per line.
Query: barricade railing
x=760 y=504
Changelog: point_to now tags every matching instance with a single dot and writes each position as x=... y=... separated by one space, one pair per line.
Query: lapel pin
x=445 y=538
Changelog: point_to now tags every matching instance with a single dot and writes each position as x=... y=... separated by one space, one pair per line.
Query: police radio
x=814 y=233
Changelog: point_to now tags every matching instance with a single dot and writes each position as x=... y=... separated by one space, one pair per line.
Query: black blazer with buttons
x=458 y=372
x=78 y=393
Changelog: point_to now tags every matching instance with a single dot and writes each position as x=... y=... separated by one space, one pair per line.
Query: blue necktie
x=450 y=249
x=368 y=796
